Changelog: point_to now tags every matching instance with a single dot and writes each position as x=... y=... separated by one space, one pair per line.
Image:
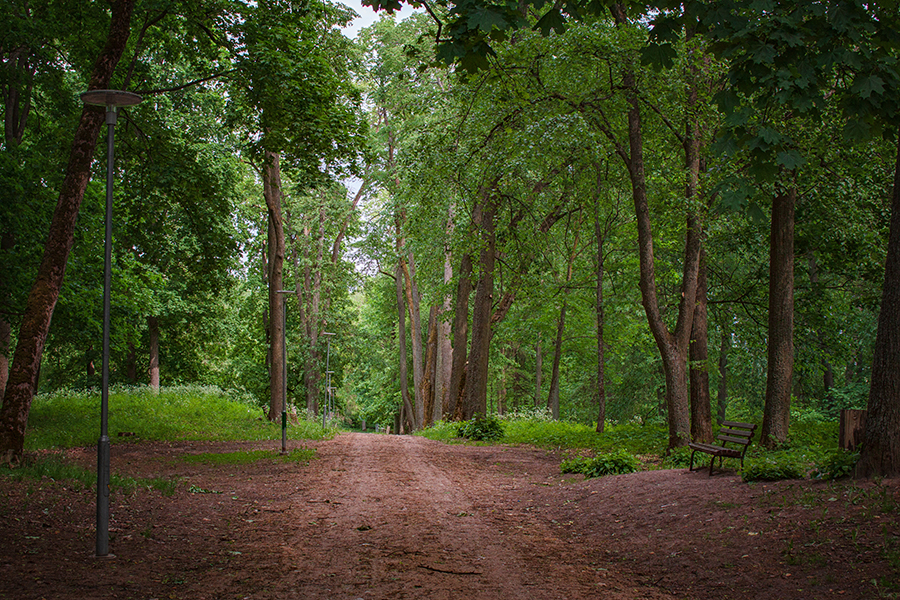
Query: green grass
x=56 y=469
x=250 y=456
x=811 y=446
x=72 y=419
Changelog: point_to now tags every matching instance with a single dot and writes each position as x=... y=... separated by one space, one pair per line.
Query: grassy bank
x=72 y=419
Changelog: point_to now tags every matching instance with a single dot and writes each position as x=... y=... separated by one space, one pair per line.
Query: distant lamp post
x=284 y=368
x=327 y=376
x=111 y=99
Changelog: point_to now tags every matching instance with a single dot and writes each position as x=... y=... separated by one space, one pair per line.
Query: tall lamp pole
x=327 y=375
x=284 y=368
x=111 y=99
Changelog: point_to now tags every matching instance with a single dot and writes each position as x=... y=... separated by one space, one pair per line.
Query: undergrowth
x=56 y=469
x=812 y=448
x=70 y=419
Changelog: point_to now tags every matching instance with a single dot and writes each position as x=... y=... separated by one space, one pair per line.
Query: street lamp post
x=111 y=99
x=327 y=375
x=284 y=368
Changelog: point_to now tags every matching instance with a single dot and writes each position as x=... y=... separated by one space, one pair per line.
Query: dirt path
x=403 y=517
x=377 y=517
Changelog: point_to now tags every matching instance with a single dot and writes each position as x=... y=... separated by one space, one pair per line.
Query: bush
x=679 y=458
x=773 y=467
x=481 y=429
x=612 y=463
x=839 y=463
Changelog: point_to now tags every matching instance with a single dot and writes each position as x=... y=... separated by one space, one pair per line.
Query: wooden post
x=853 y=424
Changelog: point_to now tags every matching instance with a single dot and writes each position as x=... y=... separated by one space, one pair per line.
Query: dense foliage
x=579 y=213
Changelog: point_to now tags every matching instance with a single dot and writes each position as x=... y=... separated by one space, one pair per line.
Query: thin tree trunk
x=5 y=339
x=430 y=370
x=776 y=412
x=724 y=348
x=131 y=364
x=538 y=372
x=272 y=193
x=553 y=396
x=701 y=409
x=600 y=237
x=153 y=371
x=881 y=440
x=23 y=374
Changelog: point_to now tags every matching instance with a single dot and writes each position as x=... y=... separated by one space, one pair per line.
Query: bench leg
x=691 y=468
x=711 y=463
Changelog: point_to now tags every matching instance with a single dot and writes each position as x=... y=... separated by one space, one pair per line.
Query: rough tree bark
x=483 y=216
x=881 y=440
x=776 y=412
x=413 y=302
x=44 y=293
x=407 y=407
x=600 y=394
x=272 y=193
x=553 y=396
x=460 y=339
x=722 y=400
x=153 y=371
x=701 y=409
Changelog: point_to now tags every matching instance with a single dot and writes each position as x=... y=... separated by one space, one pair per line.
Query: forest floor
x=378 y=517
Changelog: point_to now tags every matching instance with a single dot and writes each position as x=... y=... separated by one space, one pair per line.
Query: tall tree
x=22 y=380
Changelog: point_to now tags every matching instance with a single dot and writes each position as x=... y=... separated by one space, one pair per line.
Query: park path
x=378 y=516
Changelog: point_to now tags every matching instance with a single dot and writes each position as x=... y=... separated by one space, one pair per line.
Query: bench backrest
x=736 y=433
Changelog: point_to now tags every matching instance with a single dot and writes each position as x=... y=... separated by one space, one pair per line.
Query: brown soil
x=377 y=516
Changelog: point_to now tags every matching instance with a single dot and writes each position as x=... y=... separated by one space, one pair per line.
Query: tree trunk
x=722 y=400
x=445 y=344
x=673 y=346
x=477 y=378
x=272 y=193
x=538 y=372
x=460 y=338
x=131 y=364
x=553 y=396
x=401 y=343
x=430 y=370
x=5 y=339
x=413 y=301
x=153 y=371
x=600 y=237
x=881 y=440
x=23 y=374
x=776 y=412
x=701 y=410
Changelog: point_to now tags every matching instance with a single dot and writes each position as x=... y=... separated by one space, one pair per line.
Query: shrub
x=481 y=429
x=837 y=464
x=773 y=467
x=612 y=463
x=679 y=458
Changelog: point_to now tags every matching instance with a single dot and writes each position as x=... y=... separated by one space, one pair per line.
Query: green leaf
x=552 y=20
x=856 y=131
x=659 y=56
x=485 y=19
x=770 y=136
x=866 y=86
x=727 y=101
x=790 y=160
x=756 y=214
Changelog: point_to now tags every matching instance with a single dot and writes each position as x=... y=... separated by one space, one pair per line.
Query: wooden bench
x=738 y=434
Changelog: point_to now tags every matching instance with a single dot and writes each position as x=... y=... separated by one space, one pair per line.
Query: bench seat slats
x=734 y=432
